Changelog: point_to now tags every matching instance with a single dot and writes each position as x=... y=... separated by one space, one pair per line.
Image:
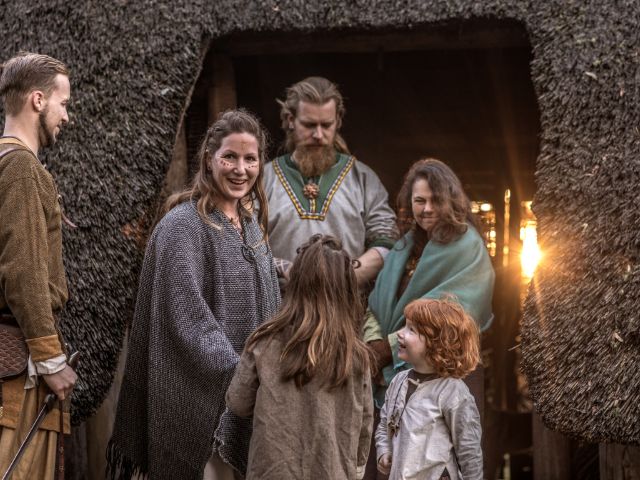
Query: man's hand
x=371 y=263
x=61 y=383
x=282 y=267
x=384 y=464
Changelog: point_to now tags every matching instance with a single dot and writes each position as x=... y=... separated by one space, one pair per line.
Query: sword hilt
x=51 y=397
x=46 y=407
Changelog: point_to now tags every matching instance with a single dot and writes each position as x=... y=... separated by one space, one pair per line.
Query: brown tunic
x=32 y=280
x=305 y=433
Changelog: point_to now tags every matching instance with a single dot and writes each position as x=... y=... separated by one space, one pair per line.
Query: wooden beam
x=551 y=453
x=177 y=174
x=222 y=89
x=619 y=462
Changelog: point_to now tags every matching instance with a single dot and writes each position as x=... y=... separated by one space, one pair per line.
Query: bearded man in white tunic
x=319 y=187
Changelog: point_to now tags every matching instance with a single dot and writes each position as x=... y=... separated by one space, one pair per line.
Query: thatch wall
x=134 y=63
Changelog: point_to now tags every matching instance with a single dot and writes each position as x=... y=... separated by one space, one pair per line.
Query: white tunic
x=355 y=209
x=439 y=427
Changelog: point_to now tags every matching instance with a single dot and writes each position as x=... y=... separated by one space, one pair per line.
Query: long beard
x=45 y=136
x=314 y=161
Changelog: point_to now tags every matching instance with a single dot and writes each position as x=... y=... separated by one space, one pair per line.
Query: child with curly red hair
x=429 y=424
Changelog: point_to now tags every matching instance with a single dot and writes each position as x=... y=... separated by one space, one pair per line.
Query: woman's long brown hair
x=320 y=317
x=452 y=204
x=204 y=190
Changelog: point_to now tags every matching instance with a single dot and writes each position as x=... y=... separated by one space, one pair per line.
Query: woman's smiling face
x=423 y=205
x=412 y=348
x=235 y=165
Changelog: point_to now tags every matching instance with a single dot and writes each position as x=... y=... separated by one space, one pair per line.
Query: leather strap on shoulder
x=8 y=151
x=13 y=141
x=19 y=145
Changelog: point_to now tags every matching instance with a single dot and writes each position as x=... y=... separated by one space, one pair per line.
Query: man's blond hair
x=317 y=91
x=25 y=73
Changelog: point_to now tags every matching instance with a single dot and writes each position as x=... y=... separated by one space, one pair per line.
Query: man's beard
x=45 y=136
x=314 y=161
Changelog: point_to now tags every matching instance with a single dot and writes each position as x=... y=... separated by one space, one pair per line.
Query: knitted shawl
x=202 y=291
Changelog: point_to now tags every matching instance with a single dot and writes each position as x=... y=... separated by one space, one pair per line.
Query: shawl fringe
x=121 y=467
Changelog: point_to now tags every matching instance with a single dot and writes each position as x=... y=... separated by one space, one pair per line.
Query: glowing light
x=487 y=217
x=531 y=254
x=505 y=231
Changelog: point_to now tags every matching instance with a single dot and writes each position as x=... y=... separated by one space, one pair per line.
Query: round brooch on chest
x=311 y=190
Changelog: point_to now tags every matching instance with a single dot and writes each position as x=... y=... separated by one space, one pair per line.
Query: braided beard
x=314 y=161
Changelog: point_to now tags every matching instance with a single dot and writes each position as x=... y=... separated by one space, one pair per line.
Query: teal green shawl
x=461 y=268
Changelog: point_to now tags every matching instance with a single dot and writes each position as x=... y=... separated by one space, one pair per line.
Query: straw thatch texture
x=134 y=63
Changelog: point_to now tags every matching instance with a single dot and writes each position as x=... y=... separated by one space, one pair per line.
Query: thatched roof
x=134 y=63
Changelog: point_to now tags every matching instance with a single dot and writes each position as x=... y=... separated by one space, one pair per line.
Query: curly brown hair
x=452 y=204
x=451 y=337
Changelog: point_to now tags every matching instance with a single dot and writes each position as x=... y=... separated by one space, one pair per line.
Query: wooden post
x=178 y=172
x=551 y=453
x=222 y=89
x=619 y=462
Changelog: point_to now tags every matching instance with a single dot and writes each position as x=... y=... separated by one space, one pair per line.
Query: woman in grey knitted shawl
x=208 y=280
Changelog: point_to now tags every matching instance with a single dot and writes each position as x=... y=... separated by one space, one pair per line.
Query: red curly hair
x=451 y=337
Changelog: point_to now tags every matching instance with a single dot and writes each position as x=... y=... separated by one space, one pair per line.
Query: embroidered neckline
x=312 y=207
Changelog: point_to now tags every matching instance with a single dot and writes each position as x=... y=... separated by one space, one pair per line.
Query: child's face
x=412 y=348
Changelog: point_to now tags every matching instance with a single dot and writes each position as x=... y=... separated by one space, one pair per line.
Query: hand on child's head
x=384 y=464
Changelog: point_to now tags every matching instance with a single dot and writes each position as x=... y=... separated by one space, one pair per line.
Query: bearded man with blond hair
x=33 y=289
x=319 y=187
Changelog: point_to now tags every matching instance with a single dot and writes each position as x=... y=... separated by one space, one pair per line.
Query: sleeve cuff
x=360 y=472
x=53 y=365
x=44 y=348
x=380 y=450
x=371 y=329
x=385 y=242
x=47 y=367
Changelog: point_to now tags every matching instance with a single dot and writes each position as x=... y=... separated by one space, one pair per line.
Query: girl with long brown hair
x=305 y=375
x=207 y=282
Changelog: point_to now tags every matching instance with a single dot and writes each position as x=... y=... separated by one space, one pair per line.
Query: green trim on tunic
x=328 y=183
x=385 y=242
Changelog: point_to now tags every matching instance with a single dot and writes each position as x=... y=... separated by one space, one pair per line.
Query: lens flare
x=531 y=254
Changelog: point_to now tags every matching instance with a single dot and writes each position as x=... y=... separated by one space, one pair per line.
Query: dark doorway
x=474 y=109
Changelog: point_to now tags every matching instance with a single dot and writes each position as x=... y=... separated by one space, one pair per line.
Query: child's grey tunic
x=439 y=424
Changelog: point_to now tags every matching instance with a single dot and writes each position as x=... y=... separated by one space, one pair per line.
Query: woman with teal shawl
x=440 y=254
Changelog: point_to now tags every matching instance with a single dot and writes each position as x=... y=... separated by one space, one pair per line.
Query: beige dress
x=301 y=433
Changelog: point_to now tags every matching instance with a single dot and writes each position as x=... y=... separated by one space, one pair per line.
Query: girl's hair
x=451 y=203
x=320 y=317
x=204 y=189
x=451 y=337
